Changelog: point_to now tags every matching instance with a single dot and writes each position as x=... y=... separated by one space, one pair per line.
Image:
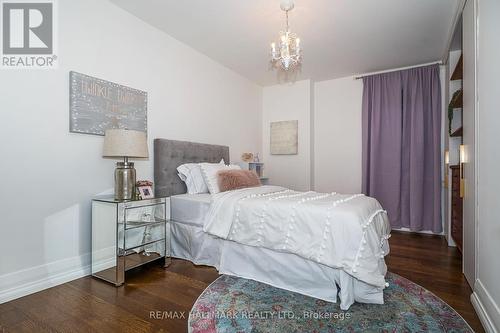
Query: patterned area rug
x=232 y=304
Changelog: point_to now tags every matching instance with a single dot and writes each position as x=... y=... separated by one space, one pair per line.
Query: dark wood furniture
x=456 y=207
x=458 y=72
x=458 y=133
x=457 y=101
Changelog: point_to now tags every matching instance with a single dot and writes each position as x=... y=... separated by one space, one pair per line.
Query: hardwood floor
x=428 y=261
x=90 y=305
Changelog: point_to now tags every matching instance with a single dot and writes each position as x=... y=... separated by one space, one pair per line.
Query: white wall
x=337 y=135
x=288 y=102
x=329 y=114
x=50 y=175
x=486 y=296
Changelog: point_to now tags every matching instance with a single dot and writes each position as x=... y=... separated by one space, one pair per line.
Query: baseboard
x=425 y=232
x=486 y=308
x=34 y=279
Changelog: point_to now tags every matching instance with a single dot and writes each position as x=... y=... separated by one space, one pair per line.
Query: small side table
x=128 y=234
x=258 y=167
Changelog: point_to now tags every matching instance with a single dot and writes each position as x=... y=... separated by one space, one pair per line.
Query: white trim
x=486 y=308
x=470 y=204
x=476 y=141
x=425 y=232
x=34 y=279
x=360 y=76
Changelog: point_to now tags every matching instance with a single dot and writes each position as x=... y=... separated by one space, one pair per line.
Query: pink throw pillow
x=237 y=179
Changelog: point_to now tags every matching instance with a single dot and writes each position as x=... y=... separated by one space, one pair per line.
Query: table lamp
x=122 y=143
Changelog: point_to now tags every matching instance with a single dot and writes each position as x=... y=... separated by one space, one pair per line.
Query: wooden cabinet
x=456 y=207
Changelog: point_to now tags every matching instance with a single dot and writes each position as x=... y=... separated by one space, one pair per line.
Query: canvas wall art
x=284 y=137
x=97 y=105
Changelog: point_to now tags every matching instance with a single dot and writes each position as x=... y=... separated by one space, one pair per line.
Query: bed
x=199 y=235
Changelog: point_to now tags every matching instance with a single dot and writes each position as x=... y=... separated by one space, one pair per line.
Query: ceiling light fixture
x=287 y=55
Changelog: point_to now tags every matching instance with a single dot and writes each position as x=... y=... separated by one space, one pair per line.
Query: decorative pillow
x=209 y=172
x=190 y=173
x=237 y=179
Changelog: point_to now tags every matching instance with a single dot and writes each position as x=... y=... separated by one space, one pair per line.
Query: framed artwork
x=144 y=189
x=97 y=105
x=146 y=192
x=284 y=137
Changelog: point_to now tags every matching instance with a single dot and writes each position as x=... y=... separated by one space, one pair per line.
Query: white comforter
x=347 y=232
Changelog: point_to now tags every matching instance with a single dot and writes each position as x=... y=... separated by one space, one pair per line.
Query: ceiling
x=339 y=37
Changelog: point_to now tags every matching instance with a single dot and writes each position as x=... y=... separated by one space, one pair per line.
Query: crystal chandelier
x=287 y=54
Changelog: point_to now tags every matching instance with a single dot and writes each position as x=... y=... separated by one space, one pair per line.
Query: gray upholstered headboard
x=169 y=154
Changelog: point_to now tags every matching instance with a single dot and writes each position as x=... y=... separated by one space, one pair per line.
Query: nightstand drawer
x=137 y=237
x=139 y=216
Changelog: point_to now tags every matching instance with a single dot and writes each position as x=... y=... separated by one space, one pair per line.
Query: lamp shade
x=125 y=143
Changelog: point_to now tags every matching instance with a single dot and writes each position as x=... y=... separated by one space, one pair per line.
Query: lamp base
x=124 y=181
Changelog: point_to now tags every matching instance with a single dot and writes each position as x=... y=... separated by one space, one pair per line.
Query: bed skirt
x=281 y=270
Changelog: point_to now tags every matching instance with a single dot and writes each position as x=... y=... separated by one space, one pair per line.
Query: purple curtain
x=402 y=146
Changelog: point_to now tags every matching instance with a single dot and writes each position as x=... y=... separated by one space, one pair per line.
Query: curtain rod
x=360 y=76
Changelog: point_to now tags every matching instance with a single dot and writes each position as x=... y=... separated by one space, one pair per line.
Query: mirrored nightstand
x=128 y=234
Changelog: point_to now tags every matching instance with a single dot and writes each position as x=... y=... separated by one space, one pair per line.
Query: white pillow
x=209 y=172
x=190 y=173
